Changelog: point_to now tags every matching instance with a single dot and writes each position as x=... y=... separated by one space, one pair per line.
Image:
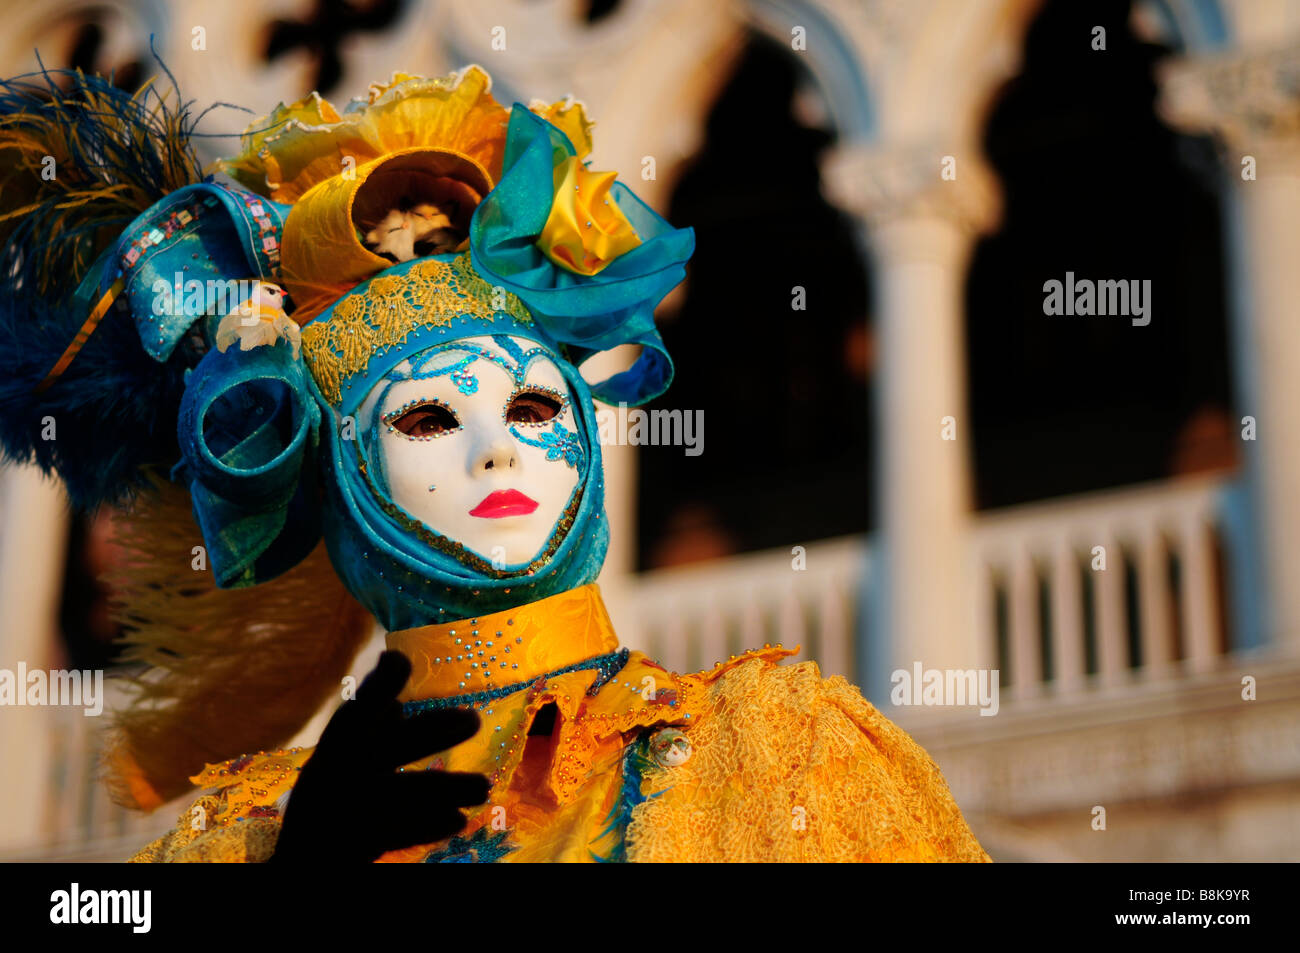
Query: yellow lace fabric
x=431 y=294
x=788 y=766
x=197 y=840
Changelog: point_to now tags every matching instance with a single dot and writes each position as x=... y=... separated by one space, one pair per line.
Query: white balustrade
x=691 y=616
x=1034 y=559
x=1142 y=531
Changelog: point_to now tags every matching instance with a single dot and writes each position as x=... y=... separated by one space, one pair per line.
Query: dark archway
x=1096 y=185
x=784 y=392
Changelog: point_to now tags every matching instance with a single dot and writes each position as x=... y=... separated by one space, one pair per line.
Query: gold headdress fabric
x=439 y=139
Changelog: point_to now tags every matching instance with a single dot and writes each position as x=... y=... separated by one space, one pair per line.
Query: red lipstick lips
x=504 y=503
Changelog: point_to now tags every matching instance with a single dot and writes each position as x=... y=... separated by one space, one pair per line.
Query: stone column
x=33 y=528
x=1250 y=101
x=920 y=229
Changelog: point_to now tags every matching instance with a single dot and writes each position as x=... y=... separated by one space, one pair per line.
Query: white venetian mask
x=479 y=444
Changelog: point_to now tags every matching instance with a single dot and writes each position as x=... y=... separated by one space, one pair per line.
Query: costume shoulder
x=785 y=765
x=239 y=822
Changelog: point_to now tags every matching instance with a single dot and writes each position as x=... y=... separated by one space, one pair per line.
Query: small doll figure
x=415 y=446
x=670 y=747
x=259 y=320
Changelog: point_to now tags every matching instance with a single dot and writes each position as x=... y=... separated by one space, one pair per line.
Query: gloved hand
x=351 y=804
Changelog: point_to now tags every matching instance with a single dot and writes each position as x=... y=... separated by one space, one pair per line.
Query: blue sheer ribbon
x=590 y=313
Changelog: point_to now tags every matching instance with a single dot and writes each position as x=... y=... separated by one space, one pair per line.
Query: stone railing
x=1083 y=592
x=692 y=616
x=1070 y=593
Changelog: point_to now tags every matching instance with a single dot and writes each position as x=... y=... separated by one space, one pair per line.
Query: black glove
x=351 y=804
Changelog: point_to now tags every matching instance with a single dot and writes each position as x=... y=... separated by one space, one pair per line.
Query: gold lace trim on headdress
x=432 y=294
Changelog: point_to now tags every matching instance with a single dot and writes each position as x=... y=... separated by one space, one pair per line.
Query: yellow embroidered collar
x=506 y=648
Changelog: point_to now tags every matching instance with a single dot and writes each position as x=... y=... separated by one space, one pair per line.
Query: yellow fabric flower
x=300 y=145
x=586 y=230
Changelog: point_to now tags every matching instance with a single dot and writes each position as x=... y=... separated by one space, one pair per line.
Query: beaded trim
x=390 y=419
x=526 y=389
x=431 y=294
x=607 y=665
x=162 y=230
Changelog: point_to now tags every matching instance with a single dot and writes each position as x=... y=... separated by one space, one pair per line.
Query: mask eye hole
x=424 y=419
x=534 y=406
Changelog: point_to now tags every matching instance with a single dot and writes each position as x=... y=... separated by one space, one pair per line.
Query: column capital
x=1251 y=99
x=882 y=185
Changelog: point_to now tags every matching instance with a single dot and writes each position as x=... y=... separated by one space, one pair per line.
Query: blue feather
x=636 y=760
x=112 y=414
x=114 y=154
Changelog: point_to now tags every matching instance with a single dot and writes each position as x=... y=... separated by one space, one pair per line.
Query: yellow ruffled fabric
x=299 y=146
x=194 y=841
x=240 y=822
x=784 y=765
x=321 y=256
x=570 y=117
x=441 y=140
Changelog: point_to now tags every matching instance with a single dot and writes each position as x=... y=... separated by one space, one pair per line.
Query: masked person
x=347 y=389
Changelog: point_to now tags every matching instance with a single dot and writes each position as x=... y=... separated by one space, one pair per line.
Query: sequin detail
x=465 y=382
x=390 y=419
x=558 y=443
x=606 y=665
x=479 y=848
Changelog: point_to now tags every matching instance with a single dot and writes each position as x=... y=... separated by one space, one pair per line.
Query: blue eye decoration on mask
x=459 y=373
x=516 y=364
x=558 y=443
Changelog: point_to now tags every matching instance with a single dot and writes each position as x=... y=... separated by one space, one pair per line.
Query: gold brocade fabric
x=788 y=766
x=431 y=294
x=779 y=764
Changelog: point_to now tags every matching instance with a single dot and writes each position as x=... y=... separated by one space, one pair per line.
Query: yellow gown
x=750 y=761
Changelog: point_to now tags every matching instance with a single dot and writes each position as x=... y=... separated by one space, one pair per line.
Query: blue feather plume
x=111 y=414
x=79 y=160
